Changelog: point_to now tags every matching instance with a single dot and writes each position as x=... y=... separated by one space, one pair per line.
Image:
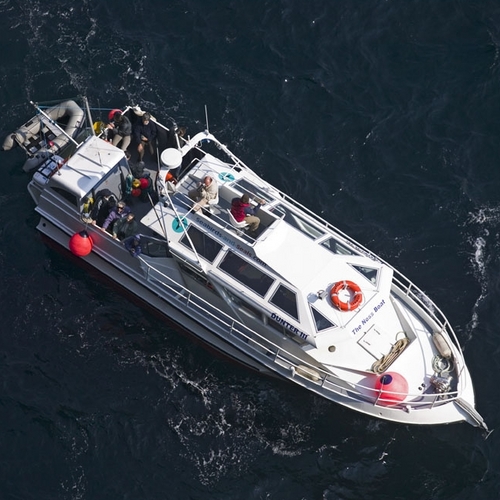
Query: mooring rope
x=385 y=361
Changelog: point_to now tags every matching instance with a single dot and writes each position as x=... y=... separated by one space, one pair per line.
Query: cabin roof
x=90 y=163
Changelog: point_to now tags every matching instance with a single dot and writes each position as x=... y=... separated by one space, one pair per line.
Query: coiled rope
x=442 y=365
x=385 y=361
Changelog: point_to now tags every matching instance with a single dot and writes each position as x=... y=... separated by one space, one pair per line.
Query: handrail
x=285 y=362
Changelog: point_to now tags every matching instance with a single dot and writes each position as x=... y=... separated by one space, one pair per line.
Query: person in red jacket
x=242 y=210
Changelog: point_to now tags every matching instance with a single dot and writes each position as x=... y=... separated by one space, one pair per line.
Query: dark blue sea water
x=383 y=116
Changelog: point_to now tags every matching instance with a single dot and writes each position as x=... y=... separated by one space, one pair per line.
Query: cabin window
x=205 y=246
x=246 y=273
x=321 y=322
x=286 y=300
x=115 y=180
x=66 y=195
x=154 y=247
x=251 y=189
x=369 y=273
x=334 y=246
x=297 y=221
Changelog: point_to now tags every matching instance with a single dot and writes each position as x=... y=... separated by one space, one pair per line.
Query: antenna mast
x=206 y=117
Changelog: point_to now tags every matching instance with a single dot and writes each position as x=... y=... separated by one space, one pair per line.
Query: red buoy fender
x=391 y=388
x=81 y=244
x=354 y=291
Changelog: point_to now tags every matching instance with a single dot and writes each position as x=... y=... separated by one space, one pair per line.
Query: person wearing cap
x=121 y=210
x=122 y=130
x=144 y=134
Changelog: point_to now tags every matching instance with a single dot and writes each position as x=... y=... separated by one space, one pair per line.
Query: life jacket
x=87 y=207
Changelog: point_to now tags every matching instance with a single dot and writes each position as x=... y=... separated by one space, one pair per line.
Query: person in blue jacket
x=145 y=135
x=133 y=245
x=117 y=212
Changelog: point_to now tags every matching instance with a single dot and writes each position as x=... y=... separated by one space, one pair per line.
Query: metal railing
x=278 y=359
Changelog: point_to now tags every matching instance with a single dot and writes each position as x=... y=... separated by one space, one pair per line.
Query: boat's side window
x=246 y=273
x=334 y=246
x=115 y=180
x=154 y=247
x=369 y=273
x=66 y=195
x=204 y=245
x=296 y=220
x=286 y=300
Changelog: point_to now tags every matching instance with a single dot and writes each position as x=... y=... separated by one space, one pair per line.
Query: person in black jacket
x=122 y=130
x=125 y=227
x=104 y=201
x=145 y=134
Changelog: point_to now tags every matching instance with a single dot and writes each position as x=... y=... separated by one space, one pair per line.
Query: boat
x=41 y=139
x=297 y=298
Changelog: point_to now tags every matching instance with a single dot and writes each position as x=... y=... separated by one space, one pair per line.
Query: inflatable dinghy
x=47 y=133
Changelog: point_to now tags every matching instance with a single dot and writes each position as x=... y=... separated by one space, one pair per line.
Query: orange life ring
x=353 y=290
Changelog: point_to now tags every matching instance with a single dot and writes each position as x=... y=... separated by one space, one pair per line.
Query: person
x=133 y=245
x=122 y=130
x=242 y=210
x=206 y=191
x=144 y=134
x=104 y=202
x=175 y=138
x=117 y=212
x=137 y=170
x=87 y=204
x=125 y=227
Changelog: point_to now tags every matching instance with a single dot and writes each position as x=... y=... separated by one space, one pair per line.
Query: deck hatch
x=376 y=342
